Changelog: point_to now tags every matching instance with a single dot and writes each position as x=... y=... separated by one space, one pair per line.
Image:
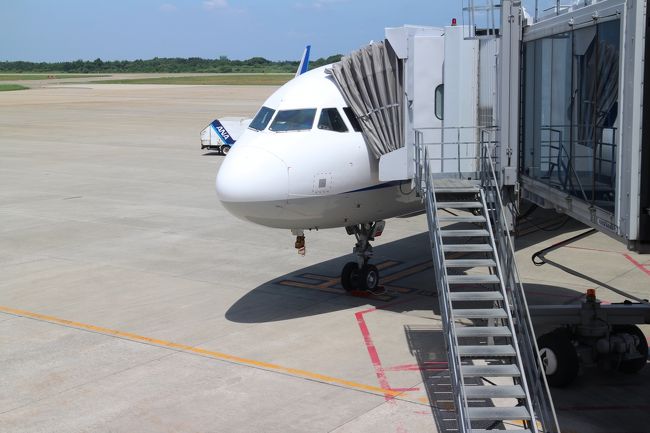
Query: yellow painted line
x=205 y=352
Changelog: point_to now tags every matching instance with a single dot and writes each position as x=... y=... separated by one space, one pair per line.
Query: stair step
x=480 y=313
x=503 y=370
x=483 y=331
x=492 y=295
x=459 y=204
x=462 y=218
x=468 y=248
x=516 y=430
x=498 y=413
x=491 y=391
x=468 y=263
x=457 y=190
x=473 y=279
x=498 y=350
x=464 y=233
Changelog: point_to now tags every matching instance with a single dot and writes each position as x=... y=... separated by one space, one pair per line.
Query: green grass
x=21 y=77
x=224 y=79
x=9 y=87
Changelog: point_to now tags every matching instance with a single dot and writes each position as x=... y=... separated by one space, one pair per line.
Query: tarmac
x=131 y=301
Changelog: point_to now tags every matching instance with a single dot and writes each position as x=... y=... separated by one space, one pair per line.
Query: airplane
x=303 y=164
x=221 y=135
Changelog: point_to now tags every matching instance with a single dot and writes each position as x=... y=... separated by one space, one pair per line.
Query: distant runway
x=131 y=301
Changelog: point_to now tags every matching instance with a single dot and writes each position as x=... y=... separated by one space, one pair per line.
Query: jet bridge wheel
x=632 y=366
x=559 y=358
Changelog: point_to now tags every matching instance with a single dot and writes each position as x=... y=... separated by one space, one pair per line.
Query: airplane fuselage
x=302 y=164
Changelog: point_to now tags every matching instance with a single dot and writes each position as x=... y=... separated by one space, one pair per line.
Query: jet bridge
x=583 y=151
x=544 y=108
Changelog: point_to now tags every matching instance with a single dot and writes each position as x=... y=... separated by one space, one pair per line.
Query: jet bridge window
x=570 y=114
x=440 y=102
x=262 y=119
x=293 y=120
x=331 y=120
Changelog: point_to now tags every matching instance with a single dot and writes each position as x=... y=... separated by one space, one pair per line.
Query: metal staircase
x=485 y=318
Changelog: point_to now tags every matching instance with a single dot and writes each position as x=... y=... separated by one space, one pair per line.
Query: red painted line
x=372 y=352
x=637 y=264
x=372 y=349
x=428 y=366
x=380 y=372
x=416 y=368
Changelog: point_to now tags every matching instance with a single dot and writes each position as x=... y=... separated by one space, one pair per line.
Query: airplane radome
x=303 y=164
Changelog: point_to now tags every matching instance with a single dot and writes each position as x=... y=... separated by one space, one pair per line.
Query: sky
x=64 y=30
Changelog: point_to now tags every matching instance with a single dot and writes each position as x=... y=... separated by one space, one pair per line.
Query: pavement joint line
x=212 y=354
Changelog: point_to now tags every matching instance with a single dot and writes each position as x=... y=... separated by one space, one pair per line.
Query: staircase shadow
x=427 y=345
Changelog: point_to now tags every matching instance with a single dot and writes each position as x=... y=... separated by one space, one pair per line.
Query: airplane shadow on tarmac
x=407 y=283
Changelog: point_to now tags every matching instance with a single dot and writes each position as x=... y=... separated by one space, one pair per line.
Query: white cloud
x=168 y=7
x=215 y=4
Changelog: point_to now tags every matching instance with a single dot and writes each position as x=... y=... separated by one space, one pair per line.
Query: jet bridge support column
x=508 y=103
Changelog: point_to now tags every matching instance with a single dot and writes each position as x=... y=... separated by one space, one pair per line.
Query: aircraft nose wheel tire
x=350 y=276
x=370 y=277
x=353 y=278
x=559 y=358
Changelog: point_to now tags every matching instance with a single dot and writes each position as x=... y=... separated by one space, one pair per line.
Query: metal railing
x=455 y=151
x=424 y=181
x=482 y=18
x=533 y=372
x=584 y=168
x=543 y=9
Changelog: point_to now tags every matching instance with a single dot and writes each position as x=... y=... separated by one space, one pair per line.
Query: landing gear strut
x=360 y=275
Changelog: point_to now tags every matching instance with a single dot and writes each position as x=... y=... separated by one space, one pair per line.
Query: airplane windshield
x=293 y=120
x=331 y=120
x=262 y=119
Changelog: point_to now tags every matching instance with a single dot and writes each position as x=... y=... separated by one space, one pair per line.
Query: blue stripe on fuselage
x=378 y=186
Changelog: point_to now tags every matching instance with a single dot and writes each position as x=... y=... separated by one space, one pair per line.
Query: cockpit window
x=352 y=118
x=262 y=119
x=293 y=120
x=331 y=120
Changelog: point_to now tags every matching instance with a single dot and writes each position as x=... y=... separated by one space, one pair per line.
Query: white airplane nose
x=252 y=175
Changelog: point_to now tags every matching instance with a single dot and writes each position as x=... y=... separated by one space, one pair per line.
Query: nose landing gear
x=361 y=275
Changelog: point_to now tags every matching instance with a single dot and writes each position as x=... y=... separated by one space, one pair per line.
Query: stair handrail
x=424 y=183
x=534 y=372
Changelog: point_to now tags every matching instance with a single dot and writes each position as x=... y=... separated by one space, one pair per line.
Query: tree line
x=162 y=64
